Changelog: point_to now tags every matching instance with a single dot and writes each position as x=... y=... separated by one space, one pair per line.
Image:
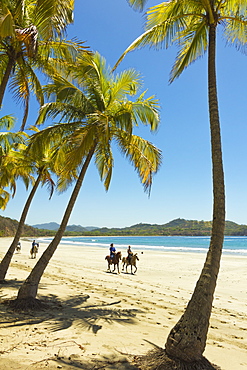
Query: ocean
x=236 y=245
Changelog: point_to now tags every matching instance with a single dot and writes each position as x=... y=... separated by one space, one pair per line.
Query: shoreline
x=144 y=247
x=115 y=316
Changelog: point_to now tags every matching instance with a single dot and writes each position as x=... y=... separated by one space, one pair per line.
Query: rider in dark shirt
x=112 y=251
x=130 y=253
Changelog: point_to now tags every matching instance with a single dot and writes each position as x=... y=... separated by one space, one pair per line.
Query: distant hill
x=178 y=226
x=47 y=226
x=55 y=226
x=8 y=227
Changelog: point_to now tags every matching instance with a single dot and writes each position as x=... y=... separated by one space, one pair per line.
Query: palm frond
x=125 y=83
x=233 y=16
x=137 y=4
x=4 y=198
x=9 y=140
x=48 y=181
x=146 y=111
x=6 y=23
x=163 y=22
x=52 y=16
x=7 y=122
x=145 y=157
x=192 y=44
x=104 y=162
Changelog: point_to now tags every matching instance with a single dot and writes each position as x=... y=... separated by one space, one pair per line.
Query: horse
x=114 y=261
x=131 y=262
x=34 y=251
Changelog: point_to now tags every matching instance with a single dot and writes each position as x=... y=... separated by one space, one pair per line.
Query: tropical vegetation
x=175 y=227
x=97 y=109
x=31 y=41
x=192 y=26
x=35 y=169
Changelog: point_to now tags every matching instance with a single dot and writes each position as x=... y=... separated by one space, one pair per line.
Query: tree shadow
x=13 y=283
x=75 y=362
x=62 y=314
x=111 y=362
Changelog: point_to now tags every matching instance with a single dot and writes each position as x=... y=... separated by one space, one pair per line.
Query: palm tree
x=9 y=142
x=31 y=36
x=23 y=165
x=98 y=111
x=192 y=26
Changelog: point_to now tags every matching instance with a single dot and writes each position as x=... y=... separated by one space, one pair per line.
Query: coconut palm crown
x=31 y=36
x=95 y=105
x=186 y=23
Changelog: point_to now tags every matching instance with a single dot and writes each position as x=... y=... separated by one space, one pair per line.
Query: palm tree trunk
x=6 y=76
x=4 y=265
x=187 y=340
x=29 y=288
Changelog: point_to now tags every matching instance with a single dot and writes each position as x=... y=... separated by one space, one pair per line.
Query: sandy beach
x=98 y=320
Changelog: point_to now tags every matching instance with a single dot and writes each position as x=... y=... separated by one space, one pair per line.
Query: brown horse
x=131 y=262
x=34 y=251
x=114 y=261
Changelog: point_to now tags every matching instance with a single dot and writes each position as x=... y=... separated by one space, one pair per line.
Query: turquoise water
x=232 y=245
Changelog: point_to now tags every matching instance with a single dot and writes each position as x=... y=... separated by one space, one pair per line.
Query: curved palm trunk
x=5 y=79
x=187 y=340
x=4 y=265
x=29 y=288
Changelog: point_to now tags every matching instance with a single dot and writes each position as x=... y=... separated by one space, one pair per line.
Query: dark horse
x=114 y=261
x=131 y=262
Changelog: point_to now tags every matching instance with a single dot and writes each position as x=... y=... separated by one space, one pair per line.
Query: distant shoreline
x=184 y=244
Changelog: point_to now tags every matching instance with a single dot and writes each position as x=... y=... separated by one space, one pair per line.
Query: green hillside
x=175 y=227
x=8 y=227
x=179 y=226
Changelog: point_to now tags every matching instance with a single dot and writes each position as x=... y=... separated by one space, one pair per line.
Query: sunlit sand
x=97 y=317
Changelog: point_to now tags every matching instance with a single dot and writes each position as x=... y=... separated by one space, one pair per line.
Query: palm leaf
x=145 y=157
x=193 y=44
x=138 y=4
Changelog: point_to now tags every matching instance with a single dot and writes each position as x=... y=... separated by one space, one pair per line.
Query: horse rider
x=112 y=251
x=130 y=254
x=35 y=243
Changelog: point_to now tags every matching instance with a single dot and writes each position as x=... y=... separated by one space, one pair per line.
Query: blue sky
x=183 y=186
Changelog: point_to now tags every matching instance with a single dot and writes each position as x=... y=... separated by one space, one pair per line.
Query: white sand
x=97 y=317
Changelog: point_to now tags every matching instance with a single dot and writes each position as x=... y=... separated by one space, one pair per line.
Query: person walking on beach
x=130 y=254
x=18 y=247
x=112 y=251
